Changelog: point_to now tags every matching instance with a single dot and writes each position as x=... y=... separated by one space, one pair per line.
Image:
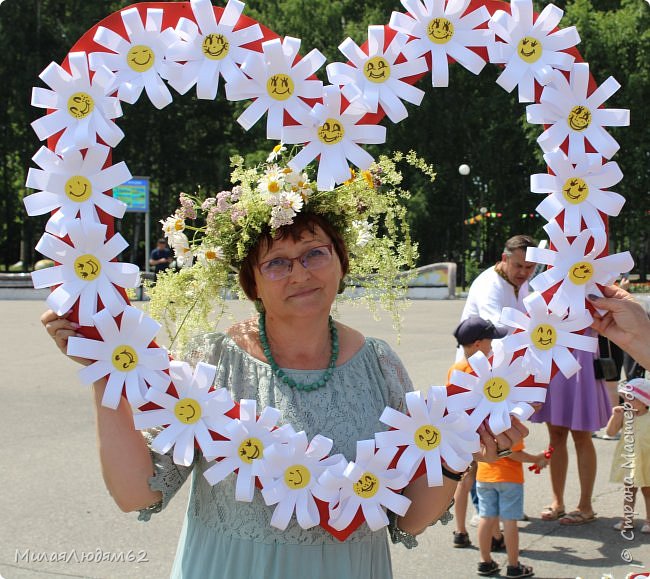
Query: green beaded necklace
x=287 y=379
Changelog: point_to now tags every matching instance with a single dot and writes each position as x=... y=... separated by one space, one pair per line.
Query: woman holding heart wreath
x=324 y=378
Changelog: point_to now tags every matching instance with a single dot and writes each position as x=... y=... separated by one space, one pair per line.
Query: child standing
x=631 y=462
x=500 y=488
x=473 y=334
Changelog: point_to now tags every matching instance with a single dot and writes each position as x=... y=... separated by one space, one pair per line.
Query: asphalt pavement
x=58 y=521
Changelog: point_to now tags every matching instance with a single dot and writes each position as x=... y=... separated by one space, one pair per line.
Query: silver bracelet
x=397 y=535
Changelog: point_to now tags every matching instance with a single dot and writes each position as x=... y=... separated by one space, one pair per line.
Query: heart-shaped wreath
x=184 y=45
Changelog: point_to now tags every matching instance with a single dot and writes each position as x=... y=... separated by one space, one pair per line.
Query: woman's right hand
x=60 y=329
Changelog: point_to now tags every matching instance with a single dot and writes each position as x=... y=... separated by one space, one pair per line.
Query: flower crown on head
x=212 y=236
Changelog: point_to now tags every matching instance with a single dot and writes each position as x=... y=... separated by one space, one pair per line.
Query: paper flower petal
x=86 y=272
x=443 y=30
x=210 y=50
x=188 y=416
x=335 y=139
x=376 y=77
x=126 y=354
x=139 y=62
x=278 y=84
x=75 y=186
x=530 y=51
x=82 y=108
x=570 y=112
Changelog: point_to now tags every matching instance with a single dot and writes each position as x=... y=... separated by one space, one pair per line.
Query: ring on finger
x=503 y=453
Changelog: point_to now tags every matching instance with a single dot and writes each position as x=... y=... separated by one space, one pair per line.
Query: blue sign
x=135 y=193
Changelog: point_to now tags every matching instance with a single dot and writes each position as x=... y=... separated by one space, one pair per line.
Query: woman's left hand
x=492 y=444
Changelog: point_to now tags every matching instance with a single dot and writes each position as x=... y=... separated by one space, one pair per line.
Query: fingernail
x=593 y=297
x=75 y=326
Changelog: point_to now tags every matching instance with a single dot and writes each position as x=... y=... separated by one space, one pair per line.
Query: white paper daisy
x=335 y=137
x=81 y=109
x=123 y=354
x=75 y=186
x=574 y=114
x=577 y=187
x=547 y=337
x=428 y=435
x=377 y=76
x=248 y=438
x=211 y=49
x=367 y=484
x=442 y=29
x=188 y=416
x=288 y=473
x=530 y=50
x=86 y=272
x=577 y=270
x=495 y=393
x=278 y=83
x=139 y=61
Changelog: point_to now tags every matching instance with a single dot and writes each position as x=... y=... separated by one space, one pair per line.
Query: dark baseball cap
x=476 y=328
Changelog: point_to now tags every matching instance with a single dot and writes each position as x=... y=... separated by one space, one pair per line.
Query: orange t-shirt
x=502 y=470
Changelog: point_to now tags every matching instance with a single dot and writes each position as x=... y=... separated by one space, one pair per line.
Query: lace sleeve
x=167 y=478
x=397 y=378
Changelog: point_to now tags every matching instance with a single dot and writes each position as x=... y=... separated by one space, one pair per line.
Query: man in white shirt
x=503 y=285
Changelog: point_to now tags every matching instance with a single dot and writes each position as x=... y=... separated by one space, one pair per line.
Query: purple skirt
x=578 y=403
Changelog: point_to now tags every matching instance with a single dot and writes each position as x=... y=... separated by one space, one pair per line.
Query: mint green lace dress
x=222 y=537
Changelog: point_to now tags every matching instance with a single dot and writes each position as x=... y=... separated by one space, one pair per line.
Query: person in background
x=473 y=334
x=500 y=488
x=632 y=454
x=161 y=256
x=503 y=285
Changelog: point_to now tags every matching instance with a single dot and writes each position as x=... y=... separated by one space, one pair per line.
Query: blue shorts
x=505 y=500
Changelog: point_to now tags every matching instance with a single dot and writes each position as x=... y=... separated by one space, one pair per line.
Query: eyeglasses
x=280 y=267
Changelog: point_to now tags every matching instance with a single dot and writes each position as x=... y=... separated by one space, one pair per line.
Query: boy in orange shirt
x=473 y=334
x=500 y=488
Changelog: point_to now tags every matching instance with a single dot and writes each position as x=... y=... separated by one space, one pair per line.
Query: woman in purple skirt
x=579 y=405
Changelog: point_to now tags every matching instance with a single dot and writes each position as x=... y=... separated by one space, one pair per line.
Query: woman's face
x=304 y=292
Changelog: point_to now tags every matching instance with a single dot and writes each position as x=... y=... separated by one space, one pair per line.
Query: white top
x=488 y=295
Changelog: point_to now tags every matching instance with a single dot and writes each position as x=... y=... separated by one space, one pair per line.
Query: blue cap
x=476 y=328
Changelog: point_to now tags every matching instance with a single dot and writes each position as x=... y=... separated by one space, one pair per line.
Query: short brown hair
x=301 y=223
x=518 y=242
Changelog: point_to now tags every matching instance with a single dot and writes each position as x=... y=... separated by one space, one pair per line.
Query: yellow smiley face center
x=580 y=273
x=124 y=358
x=427 y=437
x=377 y=69
x=140 y=58
x=215 y=46
x=440 y=30
x=280 y=87
x=367 y=486
x=529 y=49
x=331 y=132
x=78 y=188
x=575 y=190
x=87 y=267
x=496 y=389
x=579 y=118
x=297 y=477
x=187 y=410
x=544 y=337
x=251 y=449
x=80 y=105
